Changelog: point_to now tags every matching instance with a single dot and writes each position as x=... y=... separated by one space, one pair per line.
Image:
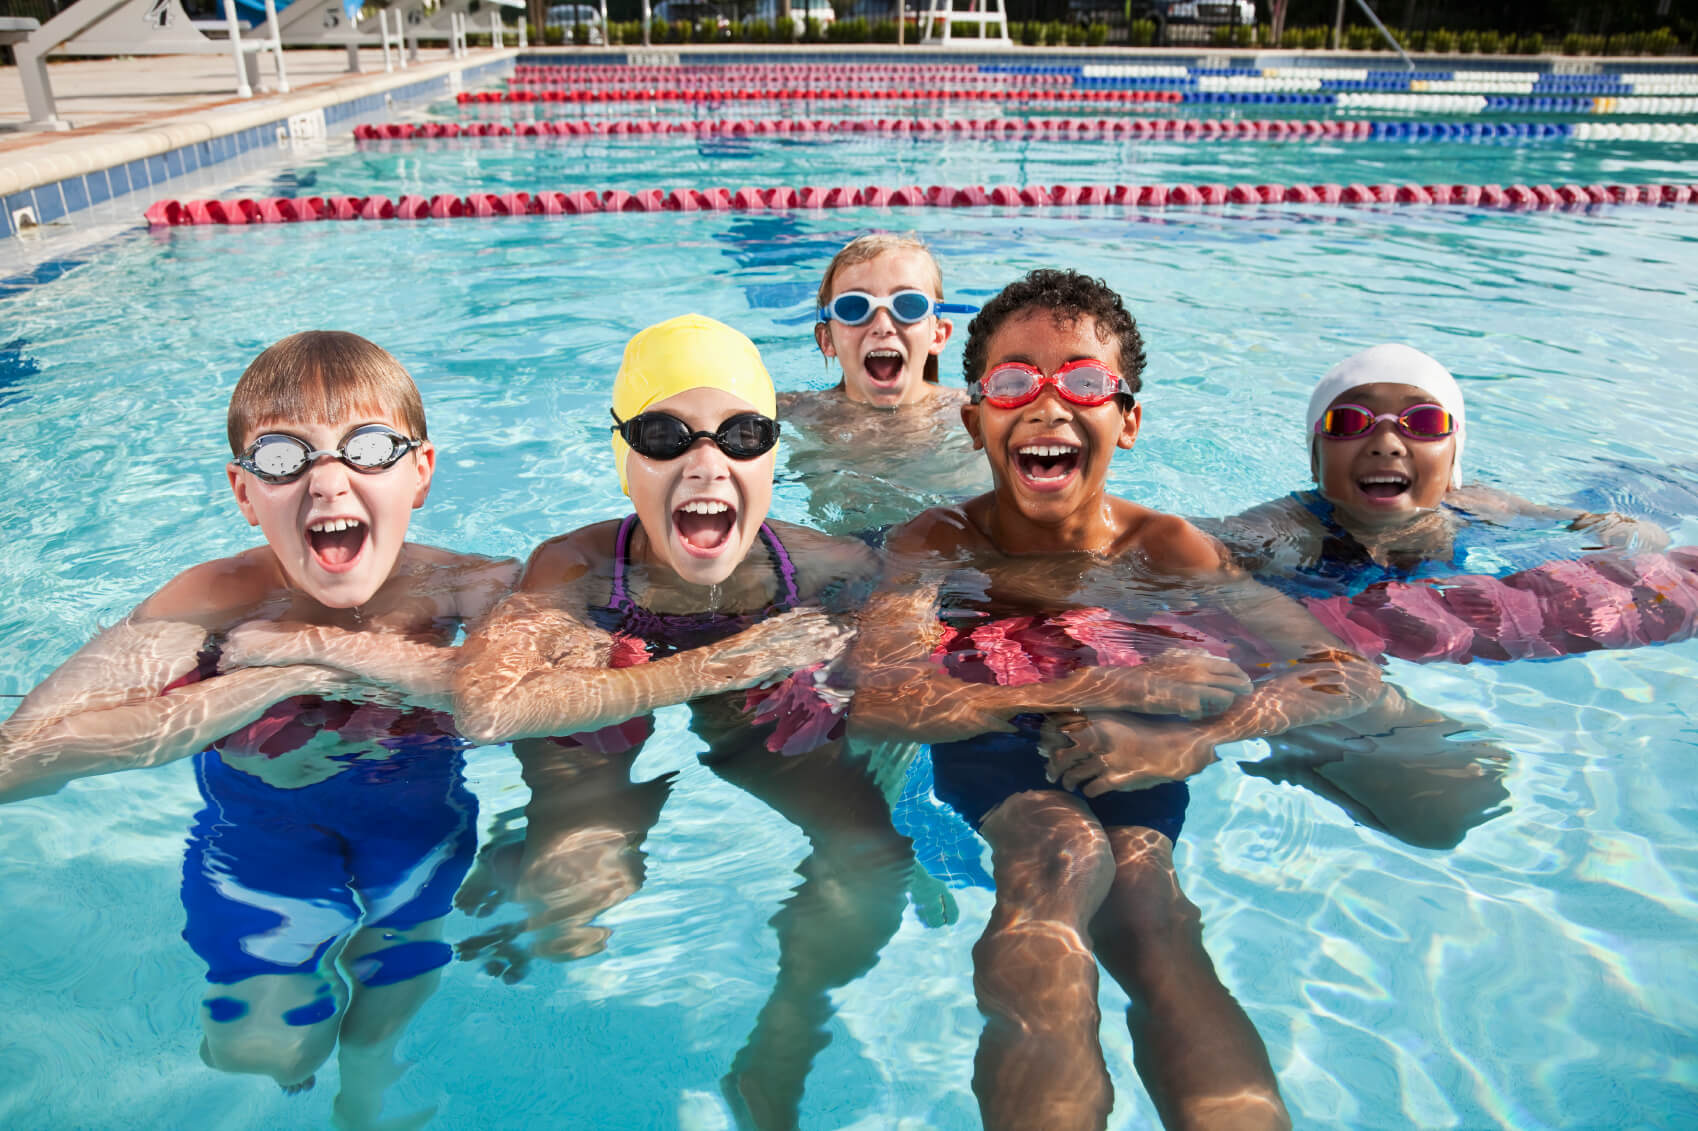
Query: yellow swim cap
x=683 y=353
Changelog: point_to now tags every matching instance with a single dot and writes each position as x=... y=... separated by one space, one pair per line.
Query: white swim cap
x=1390 y=364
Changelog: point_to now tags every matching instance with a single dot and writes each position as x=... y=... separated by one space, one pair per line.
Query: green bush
x=1490 y=43
x=1359 y=38
x=1056 y=33
x=1264 y=34
x=1140 y=33
x=849 y=31
x=1660 y=42
x=1468 y=41
x=1075 y=35
x=1315 y=38
x=1618 y=45
x=1443 y=41
x=1220 y=36
x=580 y=35
x=884 y=31
x=1096 y=35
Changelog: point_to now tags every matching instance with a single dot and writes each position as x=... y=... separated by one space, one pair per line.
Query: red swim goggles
x=1417 y=422
x=1014 y=384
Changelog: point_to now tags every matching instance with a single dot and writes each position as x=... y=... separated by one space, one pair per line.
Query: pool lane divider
x=1101 y=129
x=288 y=210
x=1414 y=103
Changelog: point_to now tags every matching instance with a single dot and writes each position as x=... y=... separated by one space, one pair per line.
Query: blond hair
x=326 y=377
x=864 y=249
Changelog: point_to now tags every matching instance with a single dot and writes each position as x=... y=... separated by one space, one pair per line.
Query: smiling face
x=1050 y=458
x=1384 y=478
x=702 y=511
x=335 y=531
x=884 y=361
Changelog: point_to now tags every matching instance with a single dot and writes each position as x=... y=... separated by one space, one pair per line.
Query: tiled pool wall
x=65 y=199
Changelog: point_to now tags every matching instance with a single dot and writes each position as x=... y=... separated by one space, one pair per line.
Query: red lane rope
x=1191 y=129
x=286 y=210
x=797 y=94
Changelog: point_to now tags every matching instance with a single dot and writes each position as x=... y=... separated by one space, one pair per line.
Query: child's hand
x=1098 y=753
x=268 y=644
x=776 y=646
x=1190 y=684
x=1621 y=532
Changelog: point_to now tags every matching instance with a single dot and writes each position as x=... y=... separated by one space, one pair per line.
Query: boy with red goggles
x=1028 y=634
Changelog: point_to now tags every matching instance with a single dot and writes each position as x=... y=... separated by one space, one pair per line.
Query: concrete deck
x=129 y=108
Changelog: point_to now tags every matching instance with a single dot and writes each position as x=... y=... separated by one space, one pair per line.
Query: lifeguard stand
x=981 y=12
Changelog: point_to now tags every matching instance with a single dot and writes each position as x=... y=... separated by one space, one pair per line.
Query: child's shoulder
x=1169 y=543
x=822 y=558
x=218 y=593
x=943 y=530
x=567 y=557
x=473 y=582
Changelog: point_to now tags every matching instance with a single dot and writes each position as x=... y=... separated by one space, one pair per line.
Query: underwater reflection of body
x=332 y=839
x=695 y=598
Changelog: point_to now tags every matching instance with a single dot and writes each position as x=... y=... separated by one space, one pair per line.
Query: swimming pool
x=1535 y=977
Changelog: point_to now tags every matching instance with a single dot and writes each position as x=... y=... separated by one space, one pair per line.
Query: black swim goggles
x=278 y=457
x=662 y=436
x=853 y=308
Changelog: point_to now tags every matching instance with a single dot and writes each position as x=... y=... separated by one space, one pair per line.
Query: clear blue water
x=1538 y=976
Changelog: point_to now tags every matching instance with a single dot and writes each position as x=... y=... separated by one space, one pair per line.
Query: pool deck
x=126 y=109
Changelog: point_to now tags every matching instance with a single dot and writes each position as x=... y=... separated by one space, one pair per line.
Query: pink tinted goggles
x=1417 y=422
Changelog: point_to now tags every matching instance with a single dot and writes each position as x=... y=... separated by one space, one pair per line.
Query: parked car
x=573 y=15
x=701 y=15
x=1212 y=12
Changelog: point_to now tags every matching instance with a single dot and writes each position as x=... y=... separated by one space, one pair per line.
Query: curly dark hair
x=1069 y=296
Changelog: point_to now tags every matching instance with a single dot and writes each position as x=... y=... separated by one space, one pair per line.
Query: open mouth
x=337 y=542
x=1049 y=464
x=704 y=525
x=883 y=366
x=1383 y=487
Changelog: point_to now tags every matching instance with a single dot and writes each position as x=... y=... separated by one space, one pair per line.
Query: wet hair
x=323 y=376
x=864 y=249
x=1068 y=296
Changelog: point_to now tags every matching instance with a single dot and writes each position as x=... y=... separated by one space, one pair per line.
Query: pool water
x=1537 y=976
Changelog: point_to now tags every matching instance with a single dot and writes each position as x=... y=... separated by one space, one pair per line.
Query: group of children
x=1071 y=657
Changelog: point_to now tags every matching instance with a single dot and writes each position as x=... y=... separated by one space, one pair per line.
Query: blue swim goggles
x=853 y=308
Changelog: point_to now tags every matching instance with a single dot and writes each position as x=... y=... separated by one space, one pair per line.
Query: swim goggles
x=852 y=308
x=659 y=435
x=1014 y=384
x=1418 y=422
x=278 y=457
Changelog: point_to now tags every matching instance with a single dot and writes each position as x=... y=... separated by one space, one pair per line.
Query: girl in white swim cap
x=1385 y=429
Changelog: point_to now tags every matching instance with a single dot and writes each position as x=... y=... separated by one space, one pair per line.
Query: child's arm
x=105 y=709
x=901 y=693
x=1611 y=529
x=1316 y=680
x=537 y=667
x=422 y=670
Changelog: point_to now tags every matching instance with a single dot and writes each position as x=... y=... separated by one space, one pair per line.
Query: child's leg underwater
x=830 y=931
x=1201 y=1060
x=1040 y=1061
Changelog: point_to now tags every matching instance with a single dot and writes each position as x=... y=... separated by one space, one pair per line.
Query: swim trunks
x=273 y=878
x=973 y=776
